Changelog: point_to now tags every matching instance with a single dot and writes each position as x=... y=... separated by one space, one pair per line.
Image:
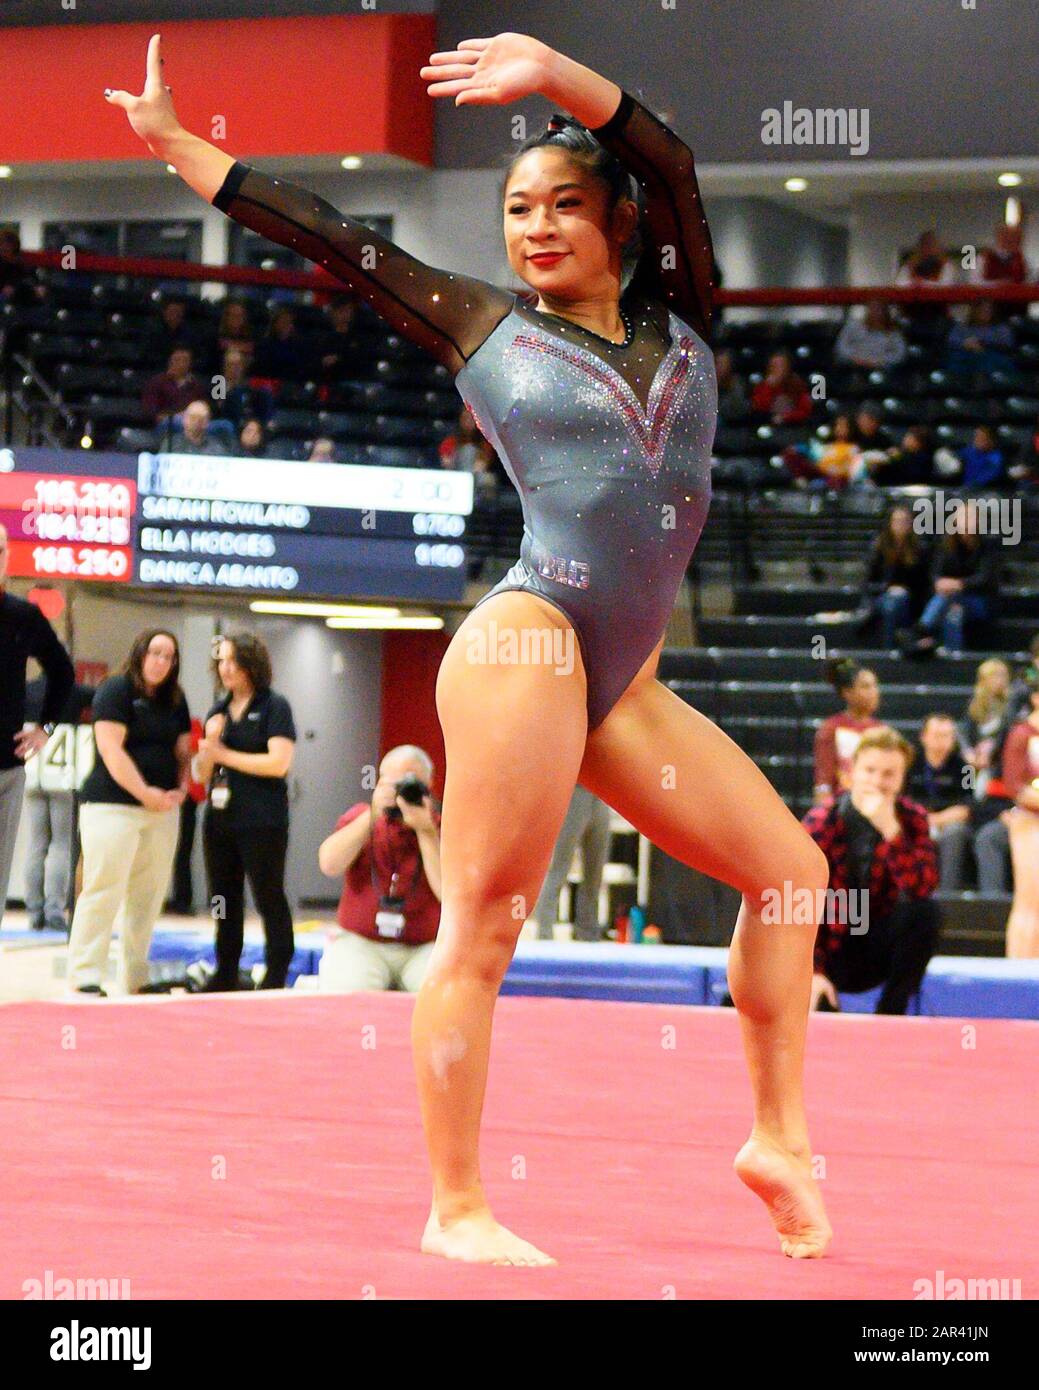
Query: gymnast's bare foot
x=784 y=1182
x=477 y=1238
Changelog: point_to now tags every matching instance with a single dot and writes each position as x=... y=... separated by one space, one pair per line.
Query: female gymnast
x=602 y=407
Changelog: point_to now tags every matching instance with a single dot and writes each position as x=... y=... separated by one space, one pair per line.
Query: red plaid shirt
x=907 y=865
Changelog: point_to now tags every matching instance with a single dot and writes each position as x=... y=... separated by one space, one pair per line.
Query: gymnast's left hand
x=490 y=72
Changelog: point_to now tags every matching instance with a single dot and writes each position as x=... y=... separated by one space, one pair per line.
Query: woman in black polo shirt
x=245 y=756
x=129 y=812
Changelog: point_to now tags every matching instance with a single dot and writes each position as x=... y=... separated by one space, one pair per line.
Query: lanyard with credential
x=393 y=875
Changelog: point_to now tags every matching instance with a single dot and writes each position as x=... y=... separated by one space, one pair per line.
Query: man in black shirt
x=24 y=632
x=940 y=781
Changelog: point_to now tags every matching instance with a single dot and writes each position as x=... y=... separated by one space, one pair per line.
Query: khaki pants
x=127 y=861
x=351 y=962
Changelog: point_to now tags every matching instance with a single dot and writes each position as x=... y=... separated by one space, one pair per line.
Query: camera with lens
x=411 y=789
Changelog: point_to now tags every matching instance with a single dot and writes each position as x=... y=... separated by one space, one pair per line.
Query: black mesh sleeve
x=447 y=315
x=676 y=266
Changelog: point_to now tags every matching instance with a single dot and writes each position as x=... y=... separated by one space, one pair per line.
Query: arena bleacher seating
x=92 y=345
x=777 y=568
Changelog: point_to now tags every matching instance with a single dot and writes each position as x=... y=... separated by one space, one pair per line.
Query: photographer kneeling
x=389 y=854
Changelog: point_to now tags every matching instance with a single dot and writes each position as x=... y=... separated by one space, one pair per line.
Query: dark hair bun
x=841 y=672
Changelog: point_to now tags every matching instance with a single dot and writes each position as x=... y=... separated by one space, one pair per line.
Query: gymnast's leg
x=514 y=734
x=682 y=782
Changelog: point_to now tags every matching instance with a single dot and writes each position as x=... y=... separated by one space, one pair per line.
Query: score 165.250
x=86 y=561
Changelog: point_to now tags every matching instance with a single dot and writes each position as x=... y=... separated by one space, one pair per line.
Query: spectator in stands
x=337 y=343
x=171 y=330
x=833 y=461
x=587 y=823
x=129 y=812
x=870 y=433
x=1025 y=680
x=282 y=354
x=171 y=391
x=252 y=440
x=782 y=395
x=467 y=449
x=982 y=461
x=24 y=632
x=388 y=856
x=981 y=344
x=50 y=812
x=940 y=780
x=897 y=576
x=194 y=436
x=874 y=342
x=965 y=572
x=983 y=732
x=882 y=859
x=1021 y=773
x=987 y=721
x=992 y=843
x=322 y=451
x=1025 y=471
x=908 y=464
x=182 y=890
x=18 y=284
x=732 y=393
x=235 y=331
x=838 y=736
x=1002 y=264
x=244 y=758
x=926 y=266
x=237 y=399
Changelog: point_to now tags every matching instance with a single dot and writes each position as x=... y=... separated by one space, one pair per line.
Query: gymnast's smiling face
x=562 y=238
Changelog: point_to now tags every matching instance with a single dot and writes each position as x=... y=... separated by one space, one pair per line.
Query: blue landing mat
x=954 y=986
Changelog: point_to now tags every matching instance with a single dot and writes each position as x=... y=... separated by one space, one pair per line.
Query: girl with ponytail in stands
x=837 y=737
x=599 y=397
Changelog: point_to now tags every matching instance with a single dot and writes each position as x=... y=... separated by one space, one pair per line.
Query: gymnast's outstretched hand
x=489 y=72
x=493 y=72
x=151 y=114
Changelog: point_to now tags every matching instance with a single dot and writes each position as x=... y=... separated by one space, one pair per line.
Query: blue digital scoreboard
x=268 y=526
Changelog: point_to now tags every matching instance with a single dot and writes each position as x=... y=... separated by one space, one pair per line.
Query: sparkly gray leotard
x=608 y=444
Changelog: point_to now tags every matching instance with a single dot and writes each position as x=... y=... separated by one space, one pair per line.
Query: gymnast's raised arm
x=447 y=315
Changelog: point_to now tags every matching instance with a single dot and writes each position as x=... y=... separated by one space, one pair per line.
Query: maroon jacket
x=905 y=865
x=162 y=396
